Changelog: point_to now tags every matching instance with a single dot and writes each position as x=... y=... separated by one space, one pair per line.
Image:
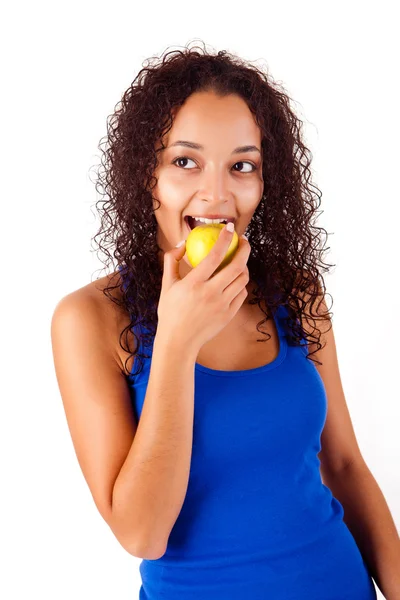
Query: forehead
x=206 y=116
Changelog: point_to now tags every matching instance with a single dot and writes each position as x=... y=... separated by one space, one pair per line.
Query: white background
x=64 y=68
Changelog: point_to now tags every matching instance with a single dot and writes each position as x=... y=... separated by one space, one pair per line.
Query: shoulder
x=88 y=307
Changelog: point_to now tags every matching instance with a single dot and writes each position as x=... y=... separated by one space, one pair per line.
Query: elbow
x=146 y=550
x=137 y=542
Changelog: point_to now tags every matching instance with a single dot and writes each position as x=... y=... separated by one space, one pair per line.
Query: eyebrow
x=195 y=146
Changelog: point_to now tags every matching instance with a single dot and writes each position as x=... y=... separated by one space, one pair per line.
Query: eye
x=246 y=163
x=181 y=158
x=238 y=163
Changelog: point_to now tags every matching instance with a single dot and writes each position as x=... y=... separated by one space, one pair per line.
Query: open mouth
x=188 y=225
x=192 y=223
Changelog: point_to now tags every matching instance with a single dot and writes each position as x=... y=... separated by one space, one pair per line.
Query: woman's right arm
x=151 y=486
x=137 y=472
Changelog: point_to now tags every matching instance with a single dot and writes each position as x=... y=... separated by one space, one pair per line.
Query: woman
x=203 y=432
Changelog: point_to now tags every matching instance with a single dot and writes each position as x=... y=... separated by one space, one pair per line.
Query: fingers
x=171 y=263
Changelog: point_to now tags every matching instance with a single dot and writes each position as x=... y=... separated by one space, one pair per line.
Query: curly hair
x=286 y=249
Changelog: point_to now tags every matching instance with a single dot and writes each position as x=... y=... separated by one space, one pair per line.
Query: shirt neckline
x=256 y=370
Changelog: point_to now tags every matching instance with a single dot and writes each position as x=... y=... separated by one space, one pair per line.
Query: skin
x=103 y=444
x=209 y=181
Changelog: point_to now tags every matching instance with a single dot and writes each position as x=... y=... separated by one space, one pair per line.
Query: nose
x=215 y=186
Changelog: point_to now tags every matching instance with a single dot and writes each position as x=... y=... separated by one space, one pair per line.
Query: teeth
x=205 y=220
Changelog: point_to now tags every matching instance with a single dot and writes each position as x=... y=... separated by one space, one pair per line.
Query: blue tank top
x=257 y=522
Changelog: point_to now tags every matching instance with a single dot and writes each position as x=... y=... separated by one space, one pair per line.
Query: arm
x=150 y=489
x=137 y=472
x=368 y=518
x=345 y=472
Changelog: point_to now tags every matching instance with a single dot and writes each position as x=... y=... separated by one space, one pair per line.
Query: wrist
x=173 y=343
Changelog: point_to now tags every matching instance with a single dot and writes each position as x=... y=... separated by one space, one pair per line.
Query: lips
x=190 y=222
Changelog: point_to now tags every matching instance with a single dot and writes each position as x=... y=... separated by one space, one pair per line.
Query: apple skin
x=202 y=238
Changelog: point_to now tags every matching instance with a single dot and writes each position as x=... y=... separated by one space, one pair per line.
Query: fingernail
x=180 y=244
x=230 y=227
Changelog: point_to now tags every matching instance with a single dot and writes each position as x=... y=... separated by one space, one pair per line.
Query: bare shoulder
x=90 y=304
x=94 y=390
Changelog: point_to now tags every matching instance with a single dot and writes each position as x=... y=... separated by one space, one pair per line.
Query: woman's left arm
x=368 y=518
x=345 y=473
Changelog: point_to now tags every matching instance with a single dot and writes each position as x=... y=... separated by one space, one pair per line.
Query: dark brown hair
x=286 y=250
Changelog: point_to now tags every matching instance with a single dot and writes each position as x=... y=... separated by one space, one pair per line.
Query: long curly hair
x=286 y=249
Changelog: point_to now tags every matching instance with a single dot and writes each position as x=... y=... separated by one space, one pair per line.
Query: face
x=213 y=180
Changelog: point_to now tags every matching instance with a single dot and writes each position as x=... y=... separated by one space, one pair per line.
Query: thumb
x=171 y=262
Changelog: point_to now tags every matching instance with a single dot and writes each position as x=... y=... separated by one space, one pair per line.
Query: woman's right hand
x=196 y=308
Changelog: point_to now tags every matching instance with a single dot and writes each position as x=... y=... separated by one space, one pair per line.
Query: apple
x=202 y=238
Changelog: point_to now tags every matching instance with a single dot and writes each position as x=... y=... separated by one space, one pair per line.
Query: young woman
x=208 y=418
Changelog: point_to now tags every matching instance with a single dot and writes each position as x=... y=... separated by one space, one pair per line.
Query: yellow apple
x=202 y=238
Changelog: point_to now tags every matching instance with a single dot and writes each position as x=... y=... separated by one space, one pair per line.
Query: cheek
x=172 y=198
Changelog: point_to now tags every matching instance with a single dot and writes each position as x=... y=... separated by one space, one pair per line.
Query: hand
x=196 y=308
